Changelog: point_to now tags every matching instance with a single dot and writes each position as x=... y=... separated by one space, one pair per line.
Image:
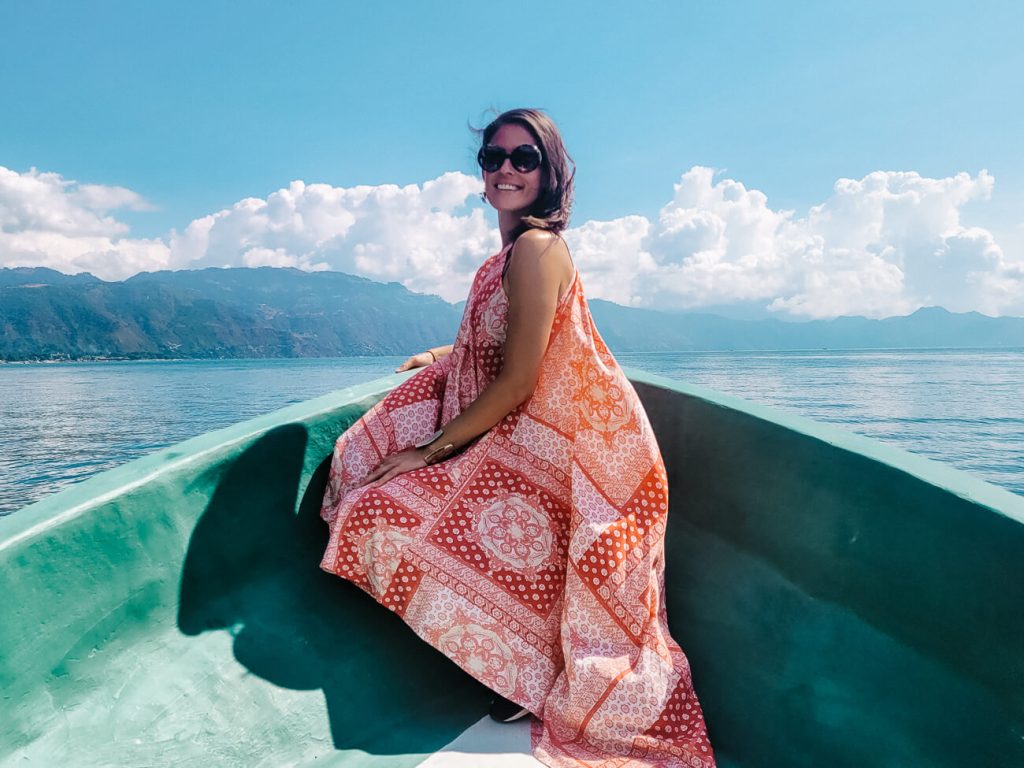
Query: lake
x=63 y=422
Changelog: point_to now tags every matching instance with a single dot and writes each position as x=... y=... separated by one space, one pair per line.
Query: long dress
x=534 y=559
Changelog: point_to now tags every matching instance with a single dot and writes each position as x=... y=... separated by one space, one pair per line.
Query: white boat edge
x=487 y=743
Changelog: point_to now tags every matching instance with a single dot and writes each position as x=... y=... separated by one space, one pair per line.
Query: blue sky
x=196 y=106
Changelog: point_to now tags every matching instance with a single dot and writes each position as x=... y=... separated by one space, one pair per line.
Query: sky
x=790 y=159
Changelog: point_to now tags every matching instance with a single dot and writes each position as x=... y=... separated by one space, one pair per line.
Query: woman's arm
x=421 y=359
x=540 y=266
x=539 y=269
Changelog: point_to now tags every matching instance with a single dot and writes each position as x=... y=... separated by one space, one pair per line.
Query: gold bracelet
x=441 y=452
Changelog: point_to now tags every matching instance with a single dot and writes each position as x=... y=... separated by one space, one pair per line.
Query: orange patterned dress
x=534 y=558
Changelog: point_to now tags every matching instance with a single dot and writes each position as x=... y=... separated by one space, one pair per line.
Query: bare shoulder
x=543 y=249
x=540 y=241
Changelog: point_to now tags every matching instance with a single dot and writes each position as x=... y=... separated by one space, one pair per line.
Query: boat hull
x=842 y=603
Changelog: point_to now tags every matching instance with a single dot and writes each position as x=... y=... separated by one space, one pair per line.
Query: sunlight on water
x=62 y=423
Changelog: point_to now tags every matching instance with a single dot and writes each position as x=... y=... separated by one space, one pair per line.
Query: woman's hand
x=396 y=464
x=418 y=360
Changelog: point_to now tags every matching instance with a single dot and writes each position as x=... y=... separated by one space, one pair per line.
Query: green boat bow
x=842 y=603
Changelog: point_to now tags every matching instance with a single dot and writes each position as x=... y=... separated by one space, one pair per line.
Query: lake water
x=61 y=423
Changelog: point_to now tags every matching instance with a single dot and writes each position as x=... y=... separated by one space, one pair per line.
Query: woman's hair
x=553 y=206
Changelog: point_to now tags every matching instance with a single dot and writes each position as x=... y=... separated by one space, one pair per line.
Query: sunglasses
x=525 y=158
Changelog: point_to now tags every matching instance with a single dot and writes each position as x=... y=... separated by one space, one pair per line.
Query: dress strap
x=508 y=259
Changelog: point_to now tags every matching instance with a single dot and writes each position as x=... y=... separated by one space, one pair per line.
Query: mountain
x=36 y=276
x=277 y=312
x=634 y=330
x=214 y=313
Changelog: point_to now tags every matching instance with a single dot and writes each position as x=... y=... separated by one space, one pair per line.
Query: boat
x=842 y=603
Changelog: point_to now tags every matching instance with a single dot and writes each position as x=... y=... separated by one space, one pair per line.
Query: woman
x=509 y=500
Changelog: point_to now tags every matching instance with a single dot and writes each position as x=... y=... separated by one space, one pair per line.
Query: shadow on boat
x=252 y=568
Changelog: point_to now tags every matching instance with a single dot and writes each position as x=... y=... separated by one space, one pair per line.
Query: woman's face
x=508 y=189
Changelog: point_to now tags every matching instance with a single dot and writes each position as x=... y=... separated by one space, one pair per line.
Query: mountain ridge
x=285 y=312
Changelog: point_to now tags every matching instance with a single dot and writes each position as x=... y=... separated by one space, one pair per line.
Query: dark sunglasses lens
x=490 y=159
x=525 y=158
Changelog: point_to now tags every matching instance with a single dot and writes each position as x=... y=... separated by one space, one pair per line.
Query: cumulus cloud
x=422 y=236
x=49 y=221
x=882 y=245
x=609 y=254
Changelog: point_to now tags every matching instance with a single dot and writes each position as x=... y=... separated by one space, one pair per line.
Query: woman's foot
x=505 y=711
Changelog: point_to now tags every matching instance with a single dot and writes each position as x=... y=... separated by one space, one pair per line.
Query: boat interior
x=842 y=603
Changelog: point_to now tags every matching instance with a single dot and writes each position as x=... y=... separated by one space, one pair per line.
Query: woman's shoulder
x=541 y=243
x=537 y=252
x=540 y=240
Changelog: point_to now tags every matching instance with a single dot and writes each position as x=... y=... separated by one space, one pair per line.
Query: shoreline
x=780 y=350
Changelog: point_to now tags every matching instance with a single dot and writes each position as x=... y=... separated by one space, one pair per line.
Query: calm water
x=61 y=423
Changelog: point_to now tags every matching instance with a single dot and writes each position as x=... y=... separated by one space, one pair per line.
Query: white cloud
x=49 y=221
x=422 y=236
x=607 y=253
x=881 y=245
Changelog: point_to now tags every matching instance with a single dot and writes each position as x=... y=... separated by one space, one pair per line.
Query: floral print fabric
x=533 y=558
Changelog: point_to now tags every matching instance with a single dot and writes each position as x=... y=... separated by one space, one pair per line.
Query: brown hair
x=553 y=205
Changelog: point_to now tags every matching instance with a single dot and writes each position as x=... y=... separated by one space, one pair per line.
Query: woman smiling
x=509 y=500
